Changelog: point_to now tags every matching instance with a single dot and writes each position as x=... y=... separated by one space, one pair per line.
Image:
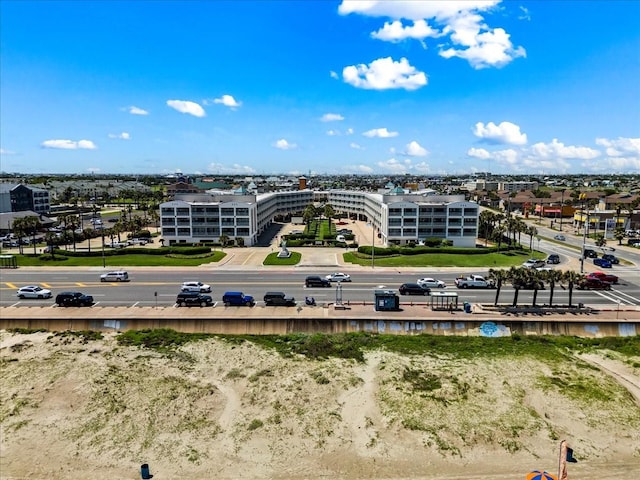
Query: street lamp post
x=584 y=233
x=561 y=208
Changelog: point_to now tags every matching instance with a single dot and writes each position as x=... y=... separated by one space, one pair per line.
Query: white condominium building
x=398 y=218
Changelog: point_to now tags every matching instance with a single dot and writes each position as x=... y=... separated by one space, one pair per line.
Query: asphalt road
x=148 y=287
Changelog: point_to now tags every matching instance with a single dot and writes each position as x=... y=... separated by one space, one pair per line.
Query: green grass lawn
x=489 y=260
x=272 y=259
x=128 y=260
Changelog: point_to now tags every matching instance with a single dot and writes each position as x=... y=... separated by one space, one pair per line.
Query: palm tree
x=499 y=276
x=486 y=224
x=19 y=229
x=532 y=232
x=572 y=278
x=498 y=234
x=518 y=278
x=51 y=240
x=32 y=224
x=535 y=278
x=553 y=277
x=70 y=225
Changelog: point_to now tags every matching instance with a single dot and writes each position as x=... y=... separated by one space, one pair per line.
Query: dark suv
x=193 y=299
x=73 y=299
x=589 y=253
x=238 y=299
x=279 y=299
x=413 y=289
x=316 y=281
x=554 y=258
x=611 y=258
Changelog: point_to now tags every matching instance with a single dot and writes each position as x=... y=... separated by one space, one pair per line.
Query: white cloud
x=133 y=110
x=6 y=152
x=226 y=100
x=488 y=49
x=334 y=75
x=349 y=131
x=228 y=169
x=384 y=74
x=69 y=144
x=414 y=149
x=396 y=166
x=524 y=13
x=480 y=153
x=396 y=31
x=121 y=136
x=380 y=133
x=620 y=146
x=331 y=117
x=460 y=21
x=508 y=156
x=357 y=169
x=558 y=150
x=282 y=144
x=93 y=170
x=186 y=106
x=506 y=133
x=355 y=146
x=333 y=133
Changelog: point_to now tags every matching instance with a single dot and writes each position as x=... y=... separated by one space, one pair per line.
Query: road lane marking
x=80 y=284
x=45 y=285
x=11 y=285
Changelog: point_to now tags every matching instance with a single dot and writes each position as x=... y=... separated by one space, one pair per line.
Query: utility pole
x=583 y=197
x=561 y=208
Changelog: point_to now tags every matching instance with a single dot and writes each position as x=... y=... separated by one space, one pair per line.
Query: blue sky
x=327 y=87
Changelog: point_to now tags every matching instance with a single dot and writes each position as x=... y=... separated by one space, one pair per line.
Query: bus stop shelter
x=8 y=261
x=444 y=300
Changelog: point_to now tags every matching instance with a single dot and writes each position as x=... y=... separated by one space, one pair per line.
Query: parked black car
x=279 y=299
x=413 y=289
x=73 y=299
x=193 y=299
x=589 y=253
x=554 y=258
x=316 y=281
x=611 y=258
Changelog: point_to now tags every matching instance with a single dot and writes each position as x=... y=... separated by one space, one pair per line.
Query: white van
x=117 y=276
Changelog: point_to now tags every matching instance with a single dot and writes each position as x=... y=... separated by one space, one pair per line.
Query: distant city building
x=517 y=186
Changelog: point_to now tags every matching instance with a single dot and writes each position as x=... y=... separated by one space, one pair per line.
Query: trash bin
x=467 y=307
x=386 y=300
x=144 y=471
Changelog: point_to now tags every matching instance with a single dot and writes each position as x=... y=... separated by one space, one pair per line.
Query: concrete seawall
x=411 y=320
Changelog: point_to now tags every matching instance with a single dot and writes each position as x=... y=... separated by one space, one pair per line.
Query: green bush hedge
x=420 y=250
x=136 y=251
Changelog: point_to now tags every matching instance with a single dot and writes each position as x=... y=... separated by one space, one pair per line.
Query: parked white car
x=534 y=263
x=195 y=287
x=431 y=283
x=338 y=277
x=33 y=291
x=115 y=276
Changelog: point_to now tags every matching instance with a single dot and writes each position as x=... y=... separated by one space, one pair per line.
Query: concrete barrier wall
x=467 y=326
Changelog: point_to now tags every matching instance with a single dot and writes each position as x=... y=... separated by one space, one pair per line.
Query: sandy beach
x=73 y=408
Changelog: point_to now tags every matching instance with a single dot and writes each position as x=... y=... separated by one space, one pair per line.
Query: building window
x=181 y=211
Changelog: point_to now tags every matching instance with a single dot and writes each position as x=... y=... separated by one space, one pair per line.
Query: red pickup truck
x=605 y=277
